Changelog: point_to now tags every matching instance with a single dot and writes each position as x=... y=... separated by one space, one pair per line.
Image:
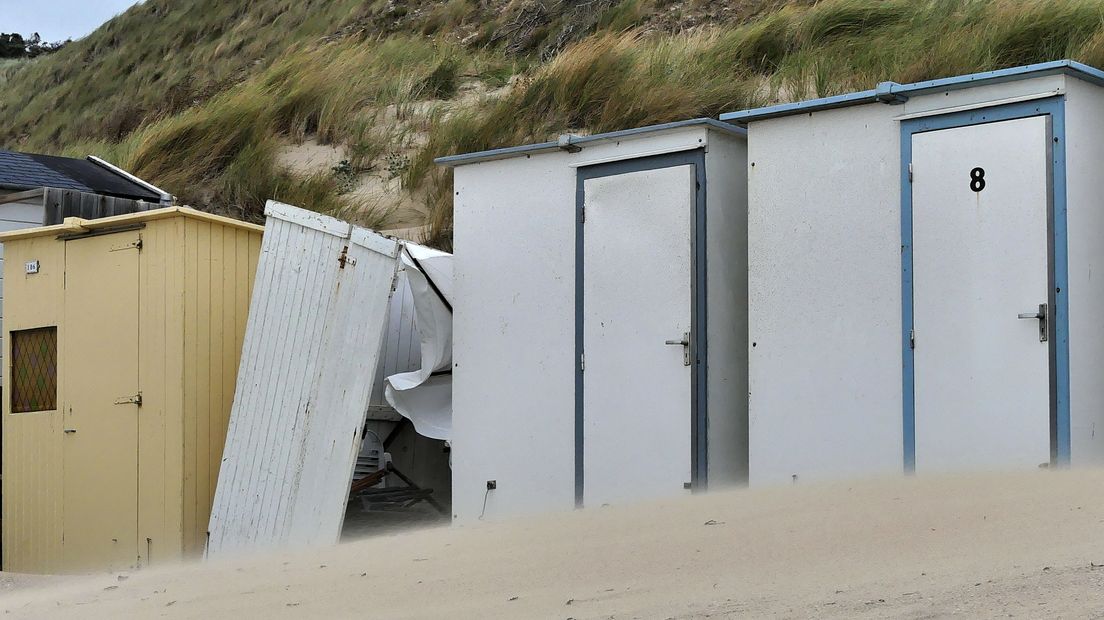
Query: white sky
x=57 y=20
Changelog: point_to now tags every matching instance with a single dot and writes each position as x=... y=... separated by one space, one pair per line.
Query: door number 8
x=977 y=179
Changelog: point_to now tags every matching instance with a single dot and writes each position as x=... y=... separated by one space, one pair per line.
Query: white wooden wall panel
x=312 y=341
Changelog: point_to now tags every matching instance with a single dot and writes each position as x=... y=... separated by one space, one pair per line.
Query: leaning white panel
x=313 y=337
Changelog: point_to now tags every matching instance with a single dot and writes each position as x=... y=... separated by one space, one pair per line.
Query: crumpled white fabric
x=420 y=396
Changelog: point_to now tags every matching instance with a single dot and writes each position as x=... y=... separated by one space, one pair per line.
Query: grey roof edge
x=892 y=92
x=529 y=149
x=166 y=198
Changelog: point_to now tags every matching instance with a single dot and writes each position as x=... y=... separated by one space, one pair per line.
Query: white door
x=980 y=260
x=636 y=296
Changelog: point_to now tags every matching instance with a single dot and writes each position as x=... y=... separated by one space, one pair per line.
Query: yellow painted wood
x=32 y=459
x=100 y=439
x=192 y=288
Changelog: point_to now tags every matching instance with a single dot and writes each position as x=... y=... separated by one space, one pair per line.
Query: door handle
x=1041 y=315
x=685 y=344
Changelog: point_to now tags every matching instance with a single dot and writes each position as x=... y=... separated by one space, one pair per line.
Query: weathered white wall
x=514 y=324
x=824 y=260
x=825 y=286
x=1085 y=223
x=726 y=249
x=514 y=336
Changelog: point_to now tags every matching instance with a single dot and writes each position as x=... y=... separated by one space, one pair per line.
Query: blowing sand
x=1023 y=546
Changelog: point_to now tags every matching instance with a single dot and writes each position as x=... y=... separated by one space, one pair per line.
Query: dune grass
x=801 y=50
x=221 y=154
x=198 y=97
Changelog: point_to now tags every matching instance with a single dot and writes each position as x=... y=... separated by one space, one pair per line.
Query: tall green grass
x=222 y=154
x=801 y=50
x=199 y=96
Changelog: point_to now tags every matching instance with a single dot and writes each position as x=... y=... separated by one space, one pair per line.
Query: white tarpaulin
x=425 y=395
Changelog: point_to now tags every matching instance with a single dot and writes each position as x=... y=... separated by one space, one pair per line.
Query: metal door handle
x=1041 y=315
x=685 y=344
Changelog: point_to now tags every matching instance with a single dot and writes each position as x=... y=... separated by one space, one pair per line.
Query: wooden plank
x=202 y=321
x=191 y=352
x=154 y=501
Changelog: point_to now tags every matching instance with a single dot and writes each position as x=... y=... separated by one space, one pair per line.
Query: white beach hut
x=590 y=274
x=925 y=276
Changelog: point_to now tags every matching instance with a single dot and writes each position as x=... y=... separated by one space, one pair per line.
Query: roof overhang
x=574 y=144
x=73 y=225
x=892 y=92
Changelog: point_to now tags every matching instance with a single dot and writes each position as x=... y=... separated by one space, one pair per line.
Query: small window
x=34 y=370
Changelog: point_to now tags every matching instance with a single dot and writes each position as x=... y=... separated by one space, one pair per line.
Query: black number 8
x=977 y=179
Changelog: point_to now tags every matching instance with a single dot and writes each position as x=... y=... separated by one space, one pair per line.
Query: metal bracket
x=130 y=400
x=133 y=245
x=565 y=143
x=345 y=259
x=98 y=232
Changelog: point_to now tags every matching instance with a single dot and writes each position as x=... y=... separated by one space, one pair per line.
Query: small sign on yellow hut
x=123 y=336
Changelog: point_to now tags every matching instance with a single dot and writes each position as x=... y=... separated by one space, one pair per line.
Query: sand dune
x=988 y=546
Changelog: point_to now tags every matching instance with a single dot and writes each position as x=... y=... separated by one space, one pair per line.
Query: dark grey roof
x=23 y=171
x=20 y=171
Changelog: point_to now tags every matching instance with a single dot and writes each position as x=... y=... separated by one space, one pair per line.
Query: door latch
x=130 y=400
x=685 y=344
x=1041 y=315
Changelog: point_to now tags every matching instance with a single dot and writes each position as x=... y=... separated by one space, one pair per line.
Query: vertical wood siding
x=195 y=282
x=218 y=277
x=313 y=339
x=32 y=459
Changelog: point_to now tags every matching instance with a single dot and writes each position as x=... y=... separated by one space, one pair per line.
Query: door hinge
x=582 y=215
x=910 y=172
x=582 y=361
x=130 y=400
x=345 y=259
x=912 y=338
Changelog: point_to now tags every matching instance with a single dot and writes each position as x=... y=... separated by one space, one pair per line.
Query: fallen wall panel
x=312 y=344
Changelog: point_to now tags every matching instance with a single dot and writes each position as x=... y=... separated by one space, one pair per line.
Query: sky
x=57 y=20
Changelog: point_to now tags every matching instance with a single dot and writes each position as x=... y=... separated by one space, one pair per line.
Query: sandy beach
x=1021 y=546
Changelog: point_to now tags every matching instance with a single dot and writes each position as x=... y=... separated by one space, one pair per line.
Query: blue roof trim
x=528 y=149
x=892 y=92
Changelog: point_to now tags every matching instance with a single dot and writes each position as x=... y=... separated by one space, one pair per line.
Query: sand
x=1022 y=546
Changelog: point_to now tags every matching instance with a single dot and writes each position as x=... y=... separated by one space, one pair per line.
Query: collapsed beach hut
x=591 y=273
x=321 y=318
x=924 y=284
x=123 y=336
